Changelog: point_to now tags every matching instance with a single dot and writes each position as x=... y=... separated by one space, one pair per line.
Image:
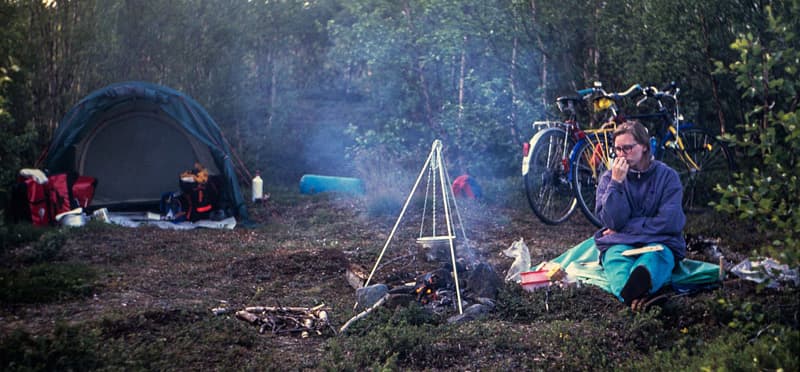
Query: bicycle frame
x=556 y=157
x=670 y=138
x=599 y=139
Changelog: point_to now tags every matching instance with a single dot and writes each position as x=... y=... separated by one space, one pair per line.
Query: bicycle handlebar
x=615 y=96
x=670 y=91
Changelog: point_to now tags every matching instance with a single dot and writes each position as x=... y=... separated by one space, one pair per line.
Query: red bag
x=83 y=190
x=59 y=193
x=39 y=202
x=466 y=187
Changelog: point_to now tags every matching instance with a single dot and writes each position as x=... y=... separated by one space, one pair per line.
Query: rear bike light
x=526 y=148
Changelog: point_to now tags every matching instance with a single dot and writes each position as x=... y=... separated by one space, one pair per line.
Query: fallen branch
x=260 y=309
x=364 y=313
x=279 y=319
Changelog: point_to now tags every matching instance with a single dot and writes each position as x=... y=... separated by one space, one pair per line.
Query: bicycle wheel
x=591 y=161
x=714 y=165
x=546 y=185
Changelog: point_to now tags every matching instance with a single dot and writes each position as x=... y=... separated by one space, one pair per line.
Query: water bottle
x=653 y=146
x=258 y=187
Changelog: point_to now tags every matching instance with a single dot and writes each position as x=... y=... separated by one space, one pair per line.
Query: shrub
x=766 y=191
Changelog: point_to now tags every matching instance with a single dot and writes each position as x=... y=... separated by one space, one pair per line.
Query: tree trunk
x=513 y=87
x=710 y=76
x=461 y=81
x=273 y=88
x=417 y=66
x=591 y=68
x=540 y=43
x=51 y=27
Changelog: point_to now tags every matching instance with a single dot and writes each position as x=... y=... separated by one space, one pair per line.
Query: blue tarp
x=582 y=263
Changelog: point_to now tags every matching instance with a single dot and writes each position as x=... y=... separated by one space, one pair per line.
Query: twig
x=221 y=310
x=364 y=313
x=758 y=334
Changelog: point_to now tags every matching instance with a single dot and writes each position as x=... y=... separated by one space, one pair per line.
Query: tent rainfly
x=136 y=138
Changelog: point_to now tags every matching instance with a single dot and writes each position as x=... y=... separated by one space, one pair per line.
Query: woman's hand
x=619 y=169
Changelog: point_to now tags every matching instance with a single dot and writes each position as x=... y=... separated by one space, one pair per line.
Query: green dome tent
x=136 y=138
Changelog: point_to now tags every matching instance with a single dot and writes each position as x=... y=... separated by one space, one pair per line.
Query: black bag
x=200 y=198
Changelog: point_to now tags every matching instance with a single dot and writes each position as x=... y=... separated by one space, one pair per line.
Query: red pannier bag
x=59 y=193
x=39 y=202
x=83 y=190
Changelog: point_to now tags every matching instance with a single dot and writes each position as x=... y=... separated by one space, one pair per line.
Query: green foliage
x=16 y=140
x=69 y=348
x=774 y=350
x=286 y=79
x=386 y=338
x=14 y=235
x=46 y=282
x=31 y=244
x=746 y=317
x=766 y=191
x=48 y=246
x=751 y=338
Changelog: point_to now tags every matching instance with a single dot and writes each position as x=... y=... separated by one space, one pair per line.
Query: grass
x=105 y=298
x=46 y=282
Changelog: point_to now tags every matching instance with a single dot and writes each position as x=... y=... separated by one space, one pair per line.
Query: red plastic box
x=532 y=280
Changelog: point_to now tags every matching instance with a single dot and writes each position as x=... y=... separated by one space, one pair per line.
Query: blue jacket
x=646 y=208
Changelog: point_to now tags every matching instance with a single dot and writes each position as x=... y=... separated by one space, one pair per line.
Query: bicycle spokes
x=702 y=162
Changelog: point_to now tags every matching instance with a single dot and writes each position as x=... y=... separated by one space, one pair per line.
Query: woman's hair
x=635 y=129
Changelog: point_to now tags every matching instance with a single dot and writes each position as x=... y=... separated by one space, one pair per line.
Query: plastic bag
x=766 y=270
x=522 y=260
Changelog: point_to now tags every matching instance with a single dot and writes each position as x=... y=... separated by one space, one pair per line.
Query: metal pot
x=73 y=218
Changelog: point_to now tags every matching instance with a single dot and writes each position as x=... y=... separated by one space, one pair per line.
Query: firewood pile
x=285 y=320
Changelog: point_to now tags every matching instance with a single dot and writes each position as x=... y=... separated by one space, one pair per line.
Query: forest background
x=362 y=88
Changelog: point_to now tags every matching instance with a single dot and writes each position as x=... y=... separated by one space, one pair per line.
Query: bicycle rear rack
x=544 y=124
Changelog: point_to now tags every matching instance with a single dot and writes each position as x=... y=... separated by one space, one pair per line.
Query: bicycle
x=699 y=158
x=548 y=157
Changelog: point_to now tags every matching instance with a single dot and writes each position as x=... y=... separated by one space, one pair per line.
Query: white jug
x=258 y=187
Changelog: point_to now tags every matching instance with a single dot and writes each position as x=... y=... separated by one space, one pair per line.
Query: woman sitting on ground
x=639 y=204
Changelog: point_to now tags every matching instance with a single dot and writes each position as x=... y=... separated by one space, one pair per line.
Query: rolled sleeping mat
x=312 y=184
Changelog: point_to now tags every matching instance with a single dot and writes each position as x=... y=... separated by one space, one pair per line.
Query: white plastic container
x=258 y=187
x=101 y=215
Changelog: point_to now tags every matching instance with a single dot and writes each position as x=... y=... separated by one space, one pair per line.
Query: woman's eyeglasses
x=625 y=149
